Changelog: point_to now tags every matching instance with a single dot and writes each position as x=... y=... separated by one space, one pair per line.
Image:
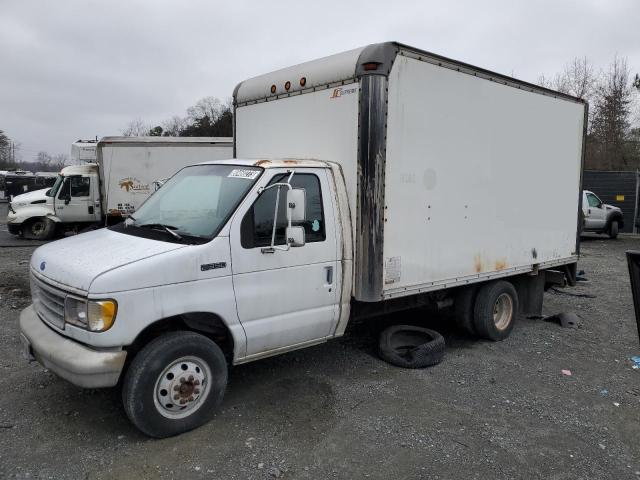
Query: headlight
x=75 y=312
x=101 y=314
x=93 y=315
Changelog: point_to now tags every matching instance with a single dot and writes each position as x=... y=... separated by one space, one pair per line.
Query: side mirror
x=67 y=199
x=297 y=204
x=48 y=193
x=295 y=236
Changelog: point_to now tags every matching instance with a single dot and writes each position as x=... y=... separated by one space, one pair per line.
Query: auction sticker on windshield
x=242 y=173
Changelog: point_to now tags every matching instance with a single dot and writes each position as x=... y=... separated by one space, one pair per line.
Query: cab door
x=74 y=202
x=596 y=215
x=285 y=298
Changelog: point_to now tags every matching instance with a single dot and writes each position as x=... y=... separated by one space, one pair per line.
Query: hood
x=27 y=198
x=76 y=261
x=611 y=207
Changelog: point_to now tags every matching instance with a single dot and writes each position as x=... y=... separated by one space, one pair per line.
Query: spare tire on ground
x=411 y=347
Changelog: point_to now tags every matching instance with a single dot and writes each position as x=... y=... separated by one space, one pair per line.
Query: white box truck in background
x=125 y=171
x=84 y=151
x=375 y=180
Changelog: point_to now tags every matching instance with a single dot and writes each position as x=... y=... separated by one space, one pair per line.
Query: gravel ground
x=489 y=410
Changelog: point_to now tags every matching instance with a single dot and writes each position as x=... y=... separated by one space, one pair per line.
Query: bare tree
x=136 y=128
x=611 y=114
x=44 y=159
x=173 y=126
x=577 y=78
x=210 y=107
x=59 y=161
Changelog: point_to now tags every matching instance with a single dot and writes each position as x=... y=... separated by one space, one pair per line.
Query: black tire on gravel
x=411 y=347
x=488 y=319
x=40 y=228
x=613 y=230
x=142 y=393
x=463 y=309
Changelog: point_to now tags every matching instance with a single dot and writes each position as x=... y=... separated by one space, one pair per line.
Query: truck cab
x=600 y=217
x=73 y=200
x=211 y=252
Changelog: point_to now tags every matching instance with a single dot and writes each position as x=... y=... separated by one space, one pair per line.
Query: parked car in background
x=600 y=217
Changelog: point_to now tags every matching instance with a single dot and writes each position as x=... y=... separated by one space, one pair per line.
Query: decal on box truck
x=341 y=92
x=133 y=185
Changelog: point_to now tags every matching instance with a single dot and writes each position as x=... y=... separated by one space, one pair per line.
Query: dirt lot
x=490 y=410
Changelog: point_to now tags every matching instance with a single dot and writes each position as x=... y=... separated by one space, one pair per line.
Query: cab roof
x=272 y=163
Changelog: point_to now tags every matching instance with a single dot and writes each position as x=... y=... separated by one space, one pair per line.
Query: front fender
x=31 y=211
x=615 y=215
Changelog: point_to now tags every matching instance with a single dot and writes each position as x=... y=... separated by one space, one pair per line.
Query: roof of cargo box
x=165 y=140
x=348 y=67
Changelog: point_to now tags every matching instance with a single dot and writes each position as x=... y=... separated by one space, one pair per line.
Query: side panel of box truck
x=480 y=177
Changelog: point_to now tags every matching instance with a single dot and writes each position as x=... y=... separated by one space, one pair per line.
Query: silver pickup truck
x=600 y=217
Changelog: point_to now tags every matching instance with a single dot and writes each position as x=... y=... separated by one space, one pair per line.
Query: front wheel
x=613 y=229
x=40 y=228
x=174 y=384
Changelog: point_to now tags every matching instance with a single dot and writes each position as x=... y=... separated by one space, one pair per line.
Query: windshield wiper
x=167 y=228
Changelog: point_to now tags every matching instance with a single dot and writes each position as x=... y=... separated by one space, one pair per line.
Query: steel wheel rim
x=503 y=311
x=182 y=387
x=37 y=228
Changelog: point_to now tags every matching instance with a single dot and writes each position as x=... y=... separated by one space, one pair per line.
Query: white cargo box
x=132 y=168
x=455 y=174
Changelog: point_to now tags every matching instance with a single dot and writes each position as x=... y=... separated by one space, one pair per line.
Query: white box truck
x=125 y=171
x=375 y=180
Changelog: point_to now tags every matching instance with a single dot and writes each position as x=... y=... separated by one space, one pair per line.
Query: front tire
x=495 y=310
x=40 y=228
x=613 y=230
x=174 y=384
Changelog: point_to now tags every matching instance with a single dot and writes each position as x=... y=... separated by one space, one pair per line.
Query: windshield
x=195 y=203
x=56 y=186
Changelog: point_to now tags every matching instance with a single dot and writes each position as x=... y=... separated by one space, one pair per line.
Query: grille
x=48 y=302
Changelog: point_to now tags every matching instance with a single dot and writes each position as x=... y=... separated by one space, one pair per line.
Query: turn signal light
x=370 y=65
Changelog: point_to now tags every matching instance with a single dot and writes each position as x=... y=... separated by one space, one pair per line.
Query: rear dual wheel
x=489 y=311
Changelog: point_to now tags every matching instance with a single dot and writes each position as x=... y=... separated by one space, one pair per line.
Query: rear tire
x=463 y=309
x=613 y=230
x=495 y=310
x=174 y=384
x=40 y=228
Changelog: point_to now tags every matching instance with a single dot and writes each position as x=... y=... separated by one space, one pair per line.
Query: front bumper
x=67 y=358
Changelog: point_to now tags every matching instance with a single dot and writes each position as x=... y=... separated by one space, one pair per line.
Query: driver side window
x=593 y=200
x=257 y=224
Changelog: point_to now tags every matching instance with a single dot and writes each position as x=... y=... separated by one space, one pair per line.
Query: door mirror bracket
x=296 y=212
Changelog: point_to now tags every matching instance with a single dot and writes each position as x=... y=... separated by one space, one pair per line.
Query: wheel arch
x=209 y=324
x=615 y=215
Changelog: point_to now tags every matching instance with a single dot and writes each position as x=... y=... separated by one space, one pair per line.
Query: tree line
x=613 y=127
x=11 y=158
x=209 y=117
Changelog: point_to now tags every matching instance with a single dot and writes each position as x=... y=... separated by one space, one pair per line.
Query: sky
x=79 y=68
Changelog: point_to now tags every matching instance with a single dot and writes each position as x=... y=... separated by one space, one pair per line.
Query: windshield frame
x=56 y=186
x=142 y=231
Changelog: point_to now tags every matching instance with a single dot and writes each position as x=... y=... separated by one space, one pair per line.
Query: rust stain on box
x=501 y=264
x=477 y=263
